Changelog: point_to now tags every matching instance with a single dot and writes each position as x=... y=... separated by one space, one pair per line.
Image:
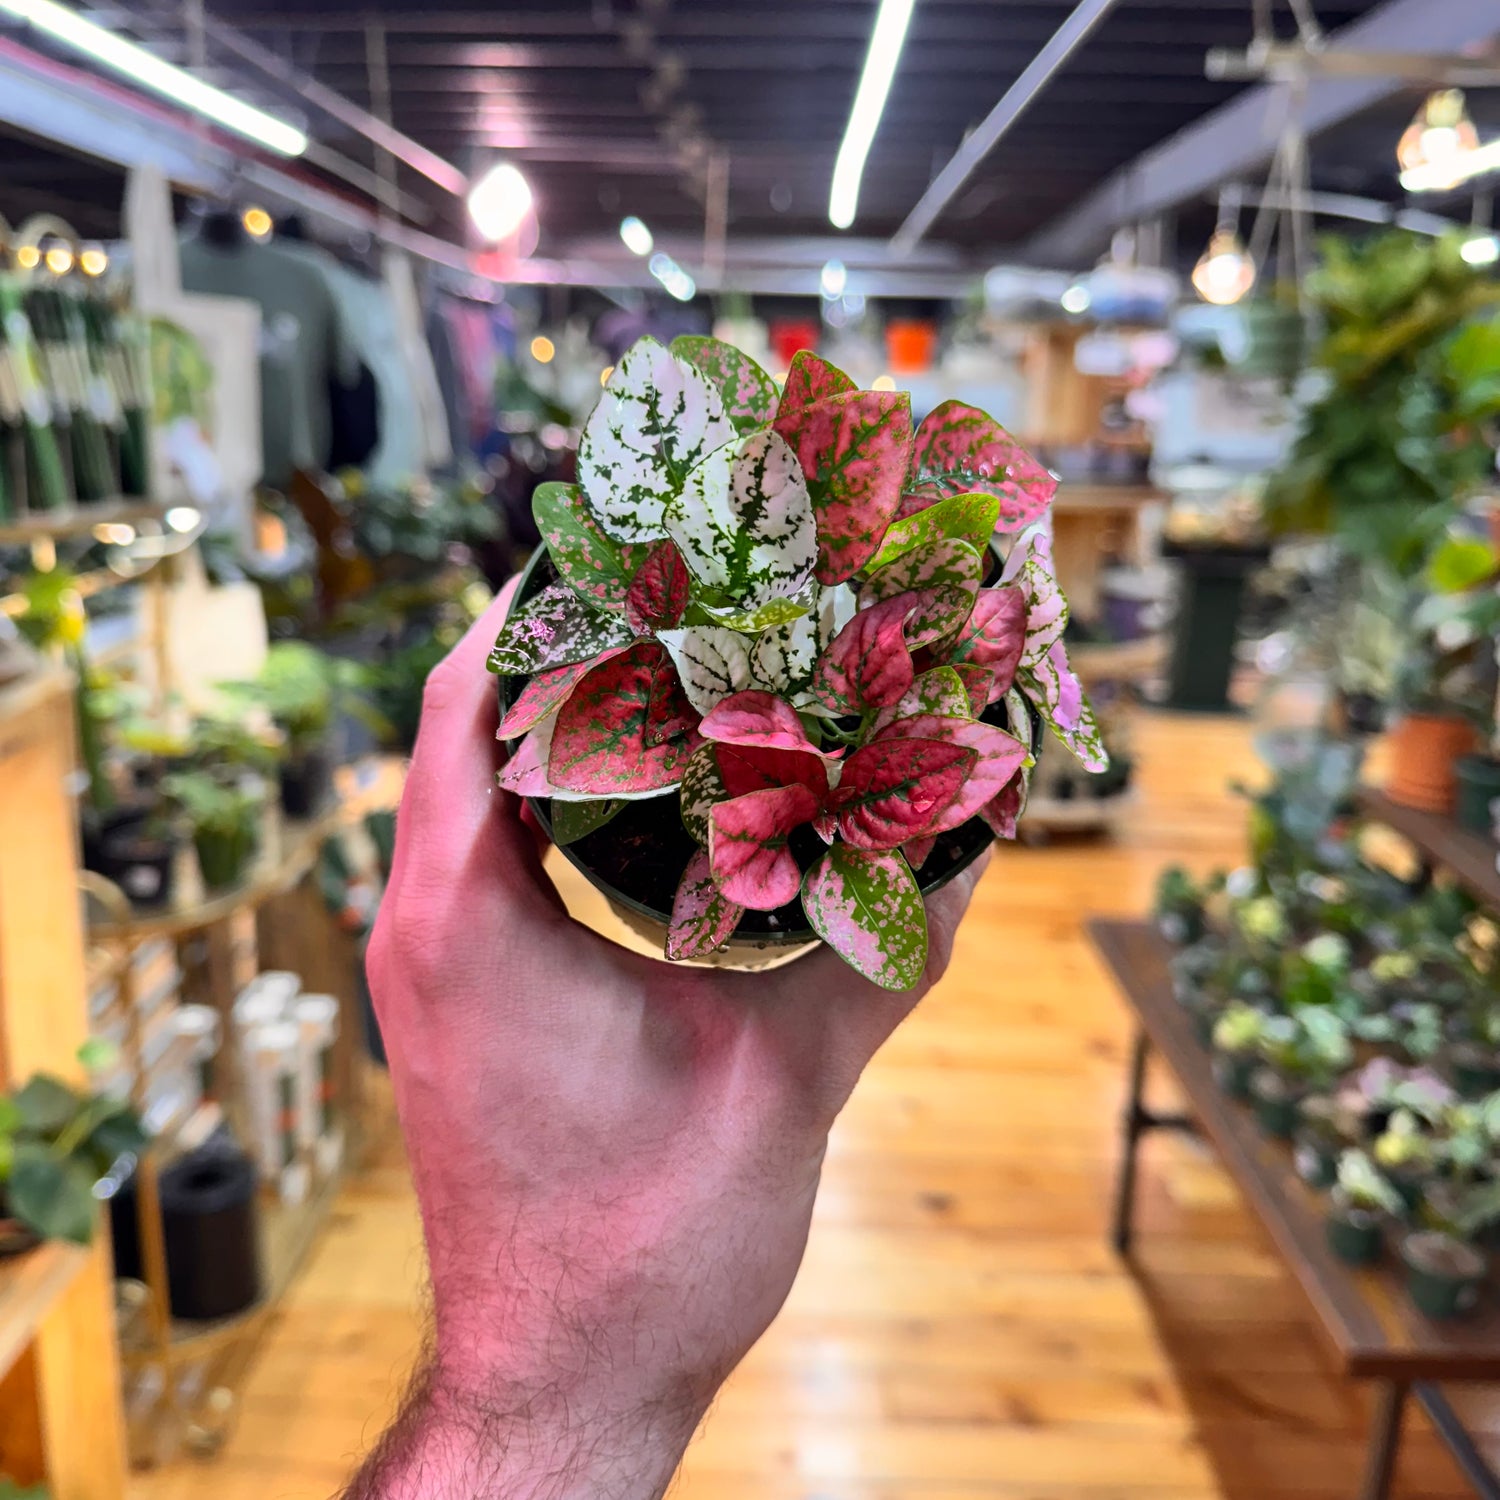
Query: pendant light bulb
x=1225 y=271
x=1439 y=141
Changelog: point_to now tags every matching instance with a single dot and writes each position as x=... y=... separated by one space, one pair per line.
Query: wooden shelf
x=1091 y=495
x=1120 y=661
x=29 y=1286
x=1369 y=1321
x=76 y=520
x=1440 y=841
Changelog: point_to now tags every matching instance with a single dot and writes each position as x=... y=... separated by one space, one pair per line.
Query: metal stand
x=1134 y=1123
x=1455 y=1435
x=1385 y=1438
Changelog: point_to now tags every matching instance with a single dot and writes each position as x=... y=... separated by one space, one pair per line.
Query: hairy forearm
x=509 y=1440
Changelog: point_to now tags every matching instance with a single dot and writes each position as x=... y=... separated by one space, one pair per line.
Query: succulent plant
x=772 y=605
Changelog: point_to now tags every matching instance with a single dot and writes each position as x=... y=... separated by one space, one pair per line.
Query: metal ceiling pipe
x=1013 y=104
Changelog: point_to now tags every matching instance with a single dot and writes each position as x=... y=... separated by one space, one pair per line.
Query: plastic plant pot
x=1424 y=750
x=307 y=782
x=1476 y=1070
x=636 y=859
x=1233 y=1072
x=1278 y=1104
x=1443 y=1274
x=224 y=858
x=1478 y=788
x=1410 y=1180
x=1316 y=1158
x=1354 y=1235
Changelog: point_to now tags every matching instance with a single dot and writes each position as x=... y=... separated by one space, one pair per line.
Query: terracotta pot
x=910 y=345
x=1423 y=748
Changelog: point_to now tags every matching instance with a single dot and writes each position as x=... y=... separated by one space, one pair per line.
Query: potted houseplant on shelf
x=1180 y=902
x=1327 y=1129
x=1358 y=1205
x=1302 y=1052
x=56 y=1142
x=767 y=681
x=1406 y=1153
x=1444 y=1265
x=1236 y=1038
x=225 y=817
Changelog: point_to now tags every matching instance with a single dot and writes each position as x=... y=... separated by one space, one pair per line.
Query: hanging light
x=637 y=235
x=1435 y=147
x=499 y=202
x=1226 y=270
x=257 y=222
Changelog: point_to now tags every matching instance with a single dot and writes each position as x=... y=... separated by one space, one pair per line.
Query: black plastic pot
x=1410 y=1180
x=1354 y=1235
x=636 y=859
x=1233 y=1072
x=1316 y=1157
x=1478 y=786
x=225 y=858
x=1278 y=1104
x=1443 y=1274
x=123 y=848
x=307 y=782
x=1476 y=1070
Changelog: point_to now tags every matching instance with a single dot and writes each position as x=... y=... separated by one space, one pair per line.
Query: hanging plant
x=780 y=622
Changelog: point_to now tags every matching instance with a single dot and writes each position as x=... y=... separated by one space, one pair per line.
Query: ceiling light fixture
x=1438 y=142
x=677 y=282
x=257 y=223
x=1076 y=299
x=498 y=202
x=161 y=77
x=542 y=349
x=1441 y=176
x=869 y=103
x=637 y=235
x=1482 y=250
x=833 y=280
x=1225 y=271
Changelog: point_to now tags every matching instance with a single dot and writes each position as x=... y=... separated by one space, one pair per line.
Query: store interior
x=906 y=428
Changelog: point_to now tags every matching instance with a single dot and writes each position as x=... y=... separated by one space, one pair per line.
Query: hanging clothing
x=305 y=342
x=430 y=410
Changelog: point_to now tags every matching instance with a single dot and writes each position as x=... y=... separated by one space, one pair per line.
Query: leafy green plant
x=1361 y=1186
x=55 y=1143
x=302 y=689
x=773 y=604
x=213 y=804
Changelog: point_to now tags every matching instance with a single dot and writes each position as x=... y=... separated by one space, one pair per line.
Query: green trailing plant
x=772 y=608
x=302 y=689
x=56 y=1142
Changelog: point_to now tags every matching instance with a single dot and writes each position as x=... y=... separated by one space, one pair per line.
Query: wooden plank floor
x=960 y=1330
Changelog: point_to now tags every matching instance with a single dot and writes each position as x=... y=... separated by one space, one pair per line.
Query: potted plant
x=1180 y=905
x=1478 y=774
x=766 y=682
x=1443 y=1272
x=1325 y=1131
x=56 y=1142
x=1406 y=1153
x=1302 y=1052
x=1358 y=1204
x=1237 y=1038
x=225 y=818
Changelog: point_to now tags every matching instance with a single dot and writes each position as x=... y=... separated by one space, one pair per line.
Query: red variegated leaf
x=600 y=744
x=944 y=575
x=939 y=690
x=976 y=681
x=747 y=845
x=525 y=773
x=703 y=918
x=669 y=715
x=959 y=449
x=749 y=393
x=911 y=502
x=811 y=379
x=547 y=691
x=750 y=768
x=659 y=592
x=868 y=909
x=868 y=663
x=1003 y=811
x=993 y=637
x=827 y=826
x=853 y=449
x=998 y=756
x=758 y=718
x=893 y=790
x=918 y=851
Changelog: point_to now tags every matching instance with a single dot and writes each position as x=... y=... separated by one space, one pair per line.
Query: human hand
x=615 y=1158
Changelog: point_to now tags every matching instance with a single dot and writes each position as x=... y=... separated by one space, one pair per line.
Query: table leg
x=1385 y=1436
x=1466 y=1454
x=1132 y=1123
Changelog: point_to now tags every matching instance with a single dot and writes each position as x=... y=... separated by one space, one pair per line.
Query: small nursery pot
x=1478 y=787
x=1278 y=1103
x=1316 y=1157
x=224 y=858
x=1476 y=1070
x=1443 y=1274
x=1423 y=751
x=636 y=859
x=139 y=861
x=1354 y=1234
x=307 y=782
x=1410 y=1180
x=1233 y=1072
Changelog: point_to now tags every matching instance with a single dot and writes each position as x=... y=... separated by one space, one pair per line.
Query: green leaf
x=866 y=906
x=946 y=573
x=1461 y=563
x=969 y=518
x=98 y=1053
x=55 y=1197
x=571 y=821
x=10 y=1116
x=702 y=788
x=658 y=419
x=118 y=1134
x=46 y=1104
x=768 y=616
x=556 y=628
x=591 y=563
x=750 y=395
x=744 y=522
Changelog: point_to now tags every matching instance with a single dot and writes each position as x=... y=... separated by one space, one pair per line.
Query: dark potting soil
x=640 y=854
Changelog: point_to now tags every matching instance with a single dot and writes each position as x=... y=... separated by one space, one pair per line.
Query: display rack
x=79 y=520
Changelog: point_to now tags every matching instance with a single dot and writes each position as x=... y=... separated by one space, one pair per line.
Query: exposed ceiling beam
x=1240 y=137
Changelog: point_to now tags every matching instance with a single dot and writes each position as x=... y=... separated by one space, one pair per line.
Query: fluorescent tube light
x=1440 y=176
x=161 y=77
x=869 y=103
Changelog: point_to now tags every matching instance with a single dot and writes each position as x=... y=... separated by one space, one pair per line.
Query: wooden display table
x=1364 y=1313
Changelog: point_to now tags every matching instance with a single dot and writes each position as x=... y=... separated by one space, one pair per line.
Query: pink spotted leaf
x=868 y=663
x=747 y=845
x=918 y=851
x=1055 y=690
x=853 y=449
x=976 y=681
x=669 y=715
x=556 y=628
x=757 y=717
x=600 y=745
x=811 y=379
x=867 y=908
x=1003 y=811
x=993 y=638
x=939 y=690
x=945 y=574
x=548 y=691
x=967 y=518
x=703 y=918
x=659 y=592
x=958 y=449
x=749 y=394
x=588 y=560
x=997 y=757
x=894 y=790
